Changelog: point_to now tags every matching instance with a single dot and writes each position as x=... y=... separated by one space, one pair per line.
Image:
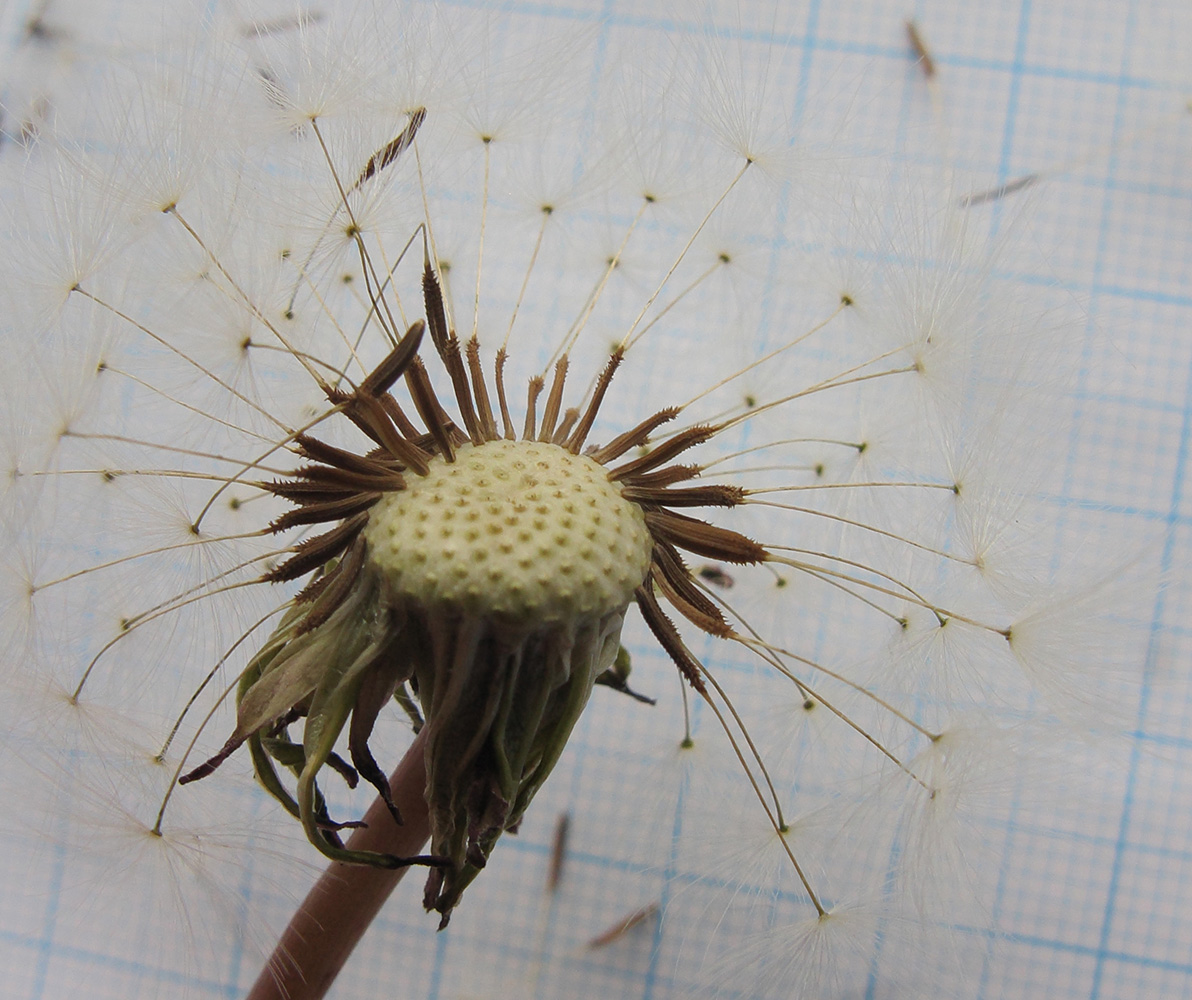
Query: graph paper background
x=1094 y=901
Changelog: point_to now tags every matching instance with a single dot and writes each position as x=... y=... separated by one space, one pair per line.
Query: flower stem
x=342 y=904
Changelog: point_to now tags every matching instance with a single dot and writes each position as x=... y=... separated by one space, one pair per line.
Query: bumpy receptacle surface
x=515 y=529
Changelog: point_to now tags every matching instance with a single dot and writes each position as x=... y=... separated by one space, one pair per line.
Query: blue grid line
x=40 y=945
x=1160 y=739
x=1053 y=944
x=1176 y=500
x=1016 y=67
x=1003 y=175
x=44 y=943
x=1157 y=628
x=691 y=879
x=1145 y=295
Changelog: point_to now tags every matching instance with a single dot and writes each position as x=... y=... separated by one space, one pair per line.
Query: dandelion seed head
x=236 y=498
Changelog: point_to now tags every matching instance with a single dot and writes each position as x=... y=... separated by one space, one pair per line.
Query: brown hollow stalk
x=343 y=903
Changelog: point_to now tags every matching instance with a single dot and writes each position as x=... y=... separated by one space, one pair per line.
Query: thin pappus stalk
x=770 y=653
x=172 y=211
x=157 y=446
x=165 y=746
x=371 y=313
x=633 y=334
x=170 y=605
x=254 y=464
x=170 y=347
x=593 y=298
x=205 y=415
x=189 y=543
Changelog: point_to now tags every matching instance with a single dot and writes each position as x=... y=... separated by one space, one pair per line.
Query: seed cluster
x=522 y=530
x=485 y=574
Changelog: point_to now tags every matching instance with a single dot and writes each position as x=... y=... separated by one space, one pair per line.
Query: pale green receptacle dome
x=517 y=529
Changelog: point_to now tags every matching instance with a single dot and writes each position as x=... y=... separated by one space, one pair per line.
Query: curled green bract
x=499 y=704
x=500 y=707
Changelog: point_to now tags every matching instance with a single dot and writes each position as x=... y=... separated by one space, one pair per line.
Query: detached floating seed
x=623 y=926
